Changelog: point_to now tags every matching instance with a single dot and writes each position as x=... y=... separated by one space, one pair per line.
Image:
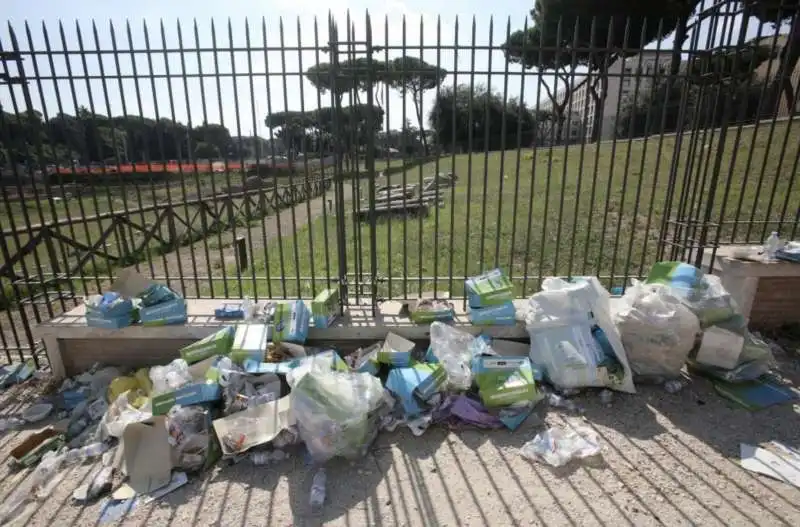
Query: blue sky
x=234 y=98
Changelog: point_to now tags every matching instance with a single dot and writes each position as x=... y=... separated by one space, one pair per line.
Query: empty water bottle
x=673 y=386
x=771 y=246
x=12 y=423
x=317 y=497
x=261 y=458
x=76 y=455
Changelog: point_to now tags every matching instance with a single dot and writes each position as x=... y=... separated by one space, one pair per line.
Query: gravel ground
x=667 y=459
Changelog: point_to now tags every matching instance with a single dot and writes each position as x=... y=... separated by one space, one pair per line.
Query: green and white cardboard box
x=249 y=342
x=324 y=308
x=219 y=343
x=503 y=381
x=396 y=351
x=204 y=389
x=489 y=289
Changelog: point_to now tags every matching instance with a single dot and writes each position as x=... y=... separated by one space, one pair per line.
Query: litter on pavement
x=254 y=392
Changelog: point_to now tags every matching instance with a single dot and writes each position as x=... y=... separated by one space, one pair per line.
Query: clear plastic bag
x=189 y=433
x=170 y=377
x=573 y=339
x=120 y=414
x=337 y=413
x=455 y=350
x=658 y=331
x=754 y=360
x=557 y=447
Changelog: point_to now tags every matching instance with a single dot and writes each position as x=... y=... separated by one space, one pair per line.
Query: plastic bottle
x=76 y=455
x=261 y=458
x=673 y=386
x=12 y=423
x=771 y=246
x=317 y=497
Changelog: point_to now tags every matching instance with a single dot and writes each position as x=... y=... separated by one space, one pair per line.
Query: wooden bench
x=73 y=347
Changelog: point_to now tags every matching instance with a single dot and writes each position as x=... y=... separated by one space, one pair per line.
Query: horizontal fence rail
x=387 y=158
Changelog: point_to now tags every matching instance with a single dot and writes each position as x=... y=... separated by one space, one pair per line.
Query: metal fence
x=386 y=159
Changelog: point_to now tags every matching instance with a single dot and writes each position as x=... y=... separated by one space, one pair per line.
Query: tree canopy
x=89 y=137
x=506 y=125
x=566 y=34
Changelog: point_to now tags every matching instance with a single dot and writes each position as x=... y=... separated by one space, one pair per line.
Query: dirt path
x=184 y=261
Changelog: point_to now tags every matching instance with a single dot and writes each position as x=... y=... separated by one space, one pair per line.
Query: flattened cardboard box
x=146 y=457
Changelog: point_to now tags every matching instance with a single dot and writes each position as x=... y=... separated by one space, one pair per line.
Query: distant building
x=771 y=68
x=622 y=86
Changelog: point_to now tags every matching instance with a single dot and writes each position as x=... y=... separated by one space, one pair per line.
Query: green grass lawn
x=564 y=211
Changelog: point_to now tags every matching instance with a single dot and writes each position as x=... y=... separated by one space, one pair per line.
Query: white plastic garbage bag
x=337 y=413
x=658 y=331
x=557 y=447
x=573 y=338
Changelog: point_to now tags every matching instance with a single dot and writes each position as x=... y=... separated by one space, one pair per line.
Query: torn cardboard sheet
x=255 y=426
x=776 y=461
x=146 y=458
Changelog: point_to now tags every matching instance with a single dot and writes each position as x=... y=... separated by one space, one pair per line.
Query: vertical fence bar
x=292 y=160
x=436 y=164
x=626 y=172
x=534 y=154
x=336 y=102
x=217 y=212
x=387 y=81
x=501 y=173
x=242 y=168
x=571 y=88
x=404 y=179
x=202 y=208
x=470 y=136
x=272 y=165
x=225 y=159
x=590 y=84
x=306 y=181
x=322 y=172
x=597 y=132
x=418 y=105
x=370 y=169
x=453 y=159
x=609 y=186
x=189 y=236
x=257 y=145
x=486 y=145
x=556 y=135
x=169 y=213
x=521 y=111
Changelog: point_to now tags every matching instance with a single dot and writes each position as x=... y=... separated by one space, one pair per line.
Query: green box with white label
x=218 y=343
x=324 y=308
x=503 y=381
x=489 y=289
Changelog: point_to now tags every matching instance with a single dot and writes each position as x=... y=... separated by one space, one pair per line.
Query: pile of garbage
x=251 y=391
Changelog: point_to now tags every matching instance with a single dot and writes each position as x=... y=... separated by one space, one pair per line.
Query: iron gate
x=228 y=161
